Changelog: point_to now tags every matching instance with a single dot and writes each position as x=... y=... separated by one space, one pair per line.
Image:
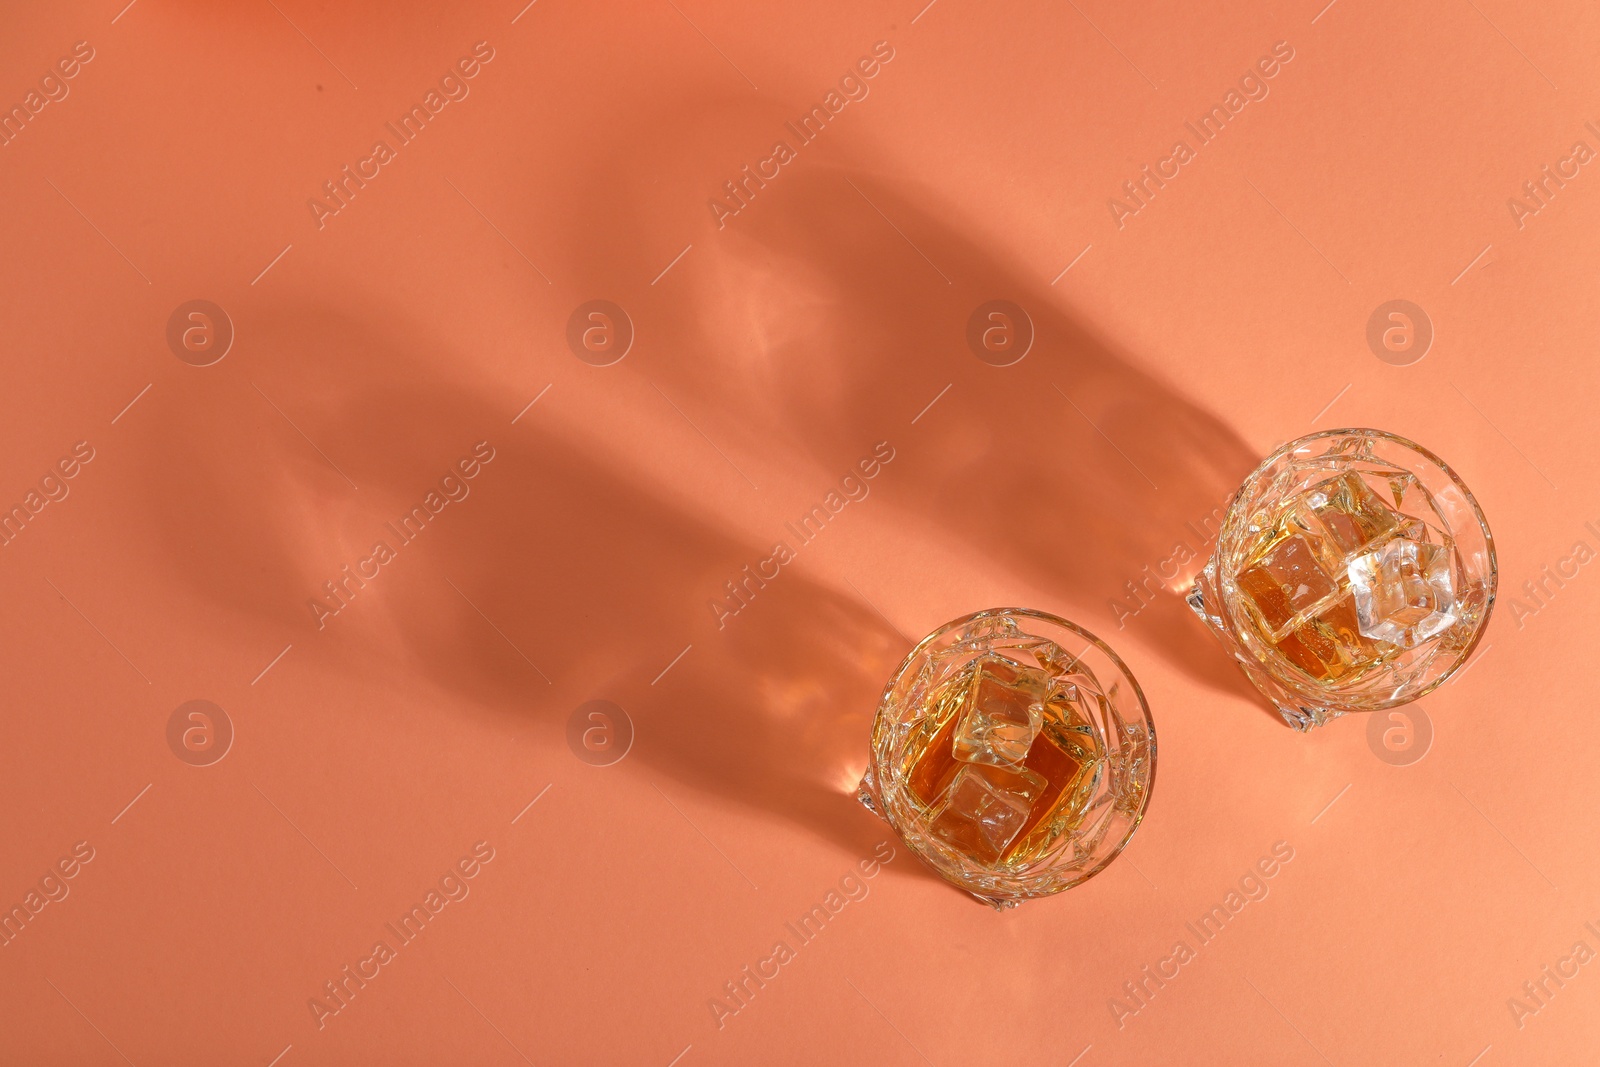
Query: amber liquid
x=1066 y=753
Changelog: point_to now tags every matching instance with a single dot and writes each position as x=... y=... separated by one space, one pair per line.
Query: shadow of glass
x=832 y=307
x=545 y=580
x=841 y=312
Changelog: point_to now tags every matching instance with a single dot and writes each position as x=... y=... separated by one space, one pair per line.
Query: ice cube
x=1351 y=513
x=1329 y=644
x=1004 y=708
x=1286 y=580
x=986 y=808
x=1404 y=592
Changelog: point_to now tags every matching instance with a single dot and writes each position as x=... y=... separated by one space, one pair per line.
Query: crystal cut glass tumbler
x=1014 y=753
x=1353 y=571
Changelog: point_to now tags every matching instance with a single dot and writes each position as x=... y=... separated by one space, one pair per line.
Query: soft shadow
x=1076 y=468
x=555 y=580
x=833 y=309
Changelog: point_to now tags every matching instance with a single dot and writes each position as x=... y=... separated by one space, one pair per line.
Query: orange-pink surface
x=392 y=508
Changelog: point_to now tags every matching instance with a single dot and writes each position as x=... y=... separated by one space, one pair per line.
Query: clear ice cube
x=1404 y=592
x=1004 y=709
x=986 y=808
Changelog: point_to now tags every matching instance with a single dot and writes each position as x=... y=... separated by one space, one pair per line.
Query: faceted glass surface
x=1013 y=753
x=1354 y=571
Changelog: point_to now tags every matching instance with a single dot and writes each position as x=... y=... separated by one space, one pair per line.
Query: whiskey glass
x=1353 y=571
x=1013 y=752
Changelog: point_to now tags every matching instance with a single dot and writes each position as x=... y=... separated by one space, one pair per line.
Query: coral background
x=375 y=346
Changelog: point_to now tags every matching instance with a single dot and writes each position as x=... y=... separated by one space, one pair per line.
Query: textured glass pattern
x=1354 y=572
x=1013 y=752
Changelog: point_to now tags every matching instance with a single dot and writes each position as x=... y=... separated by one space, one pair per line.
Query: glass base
x=1296 y=710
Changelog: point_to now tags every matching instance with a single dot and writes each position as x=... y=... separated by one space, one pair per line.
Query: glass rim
x=1232 y=514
